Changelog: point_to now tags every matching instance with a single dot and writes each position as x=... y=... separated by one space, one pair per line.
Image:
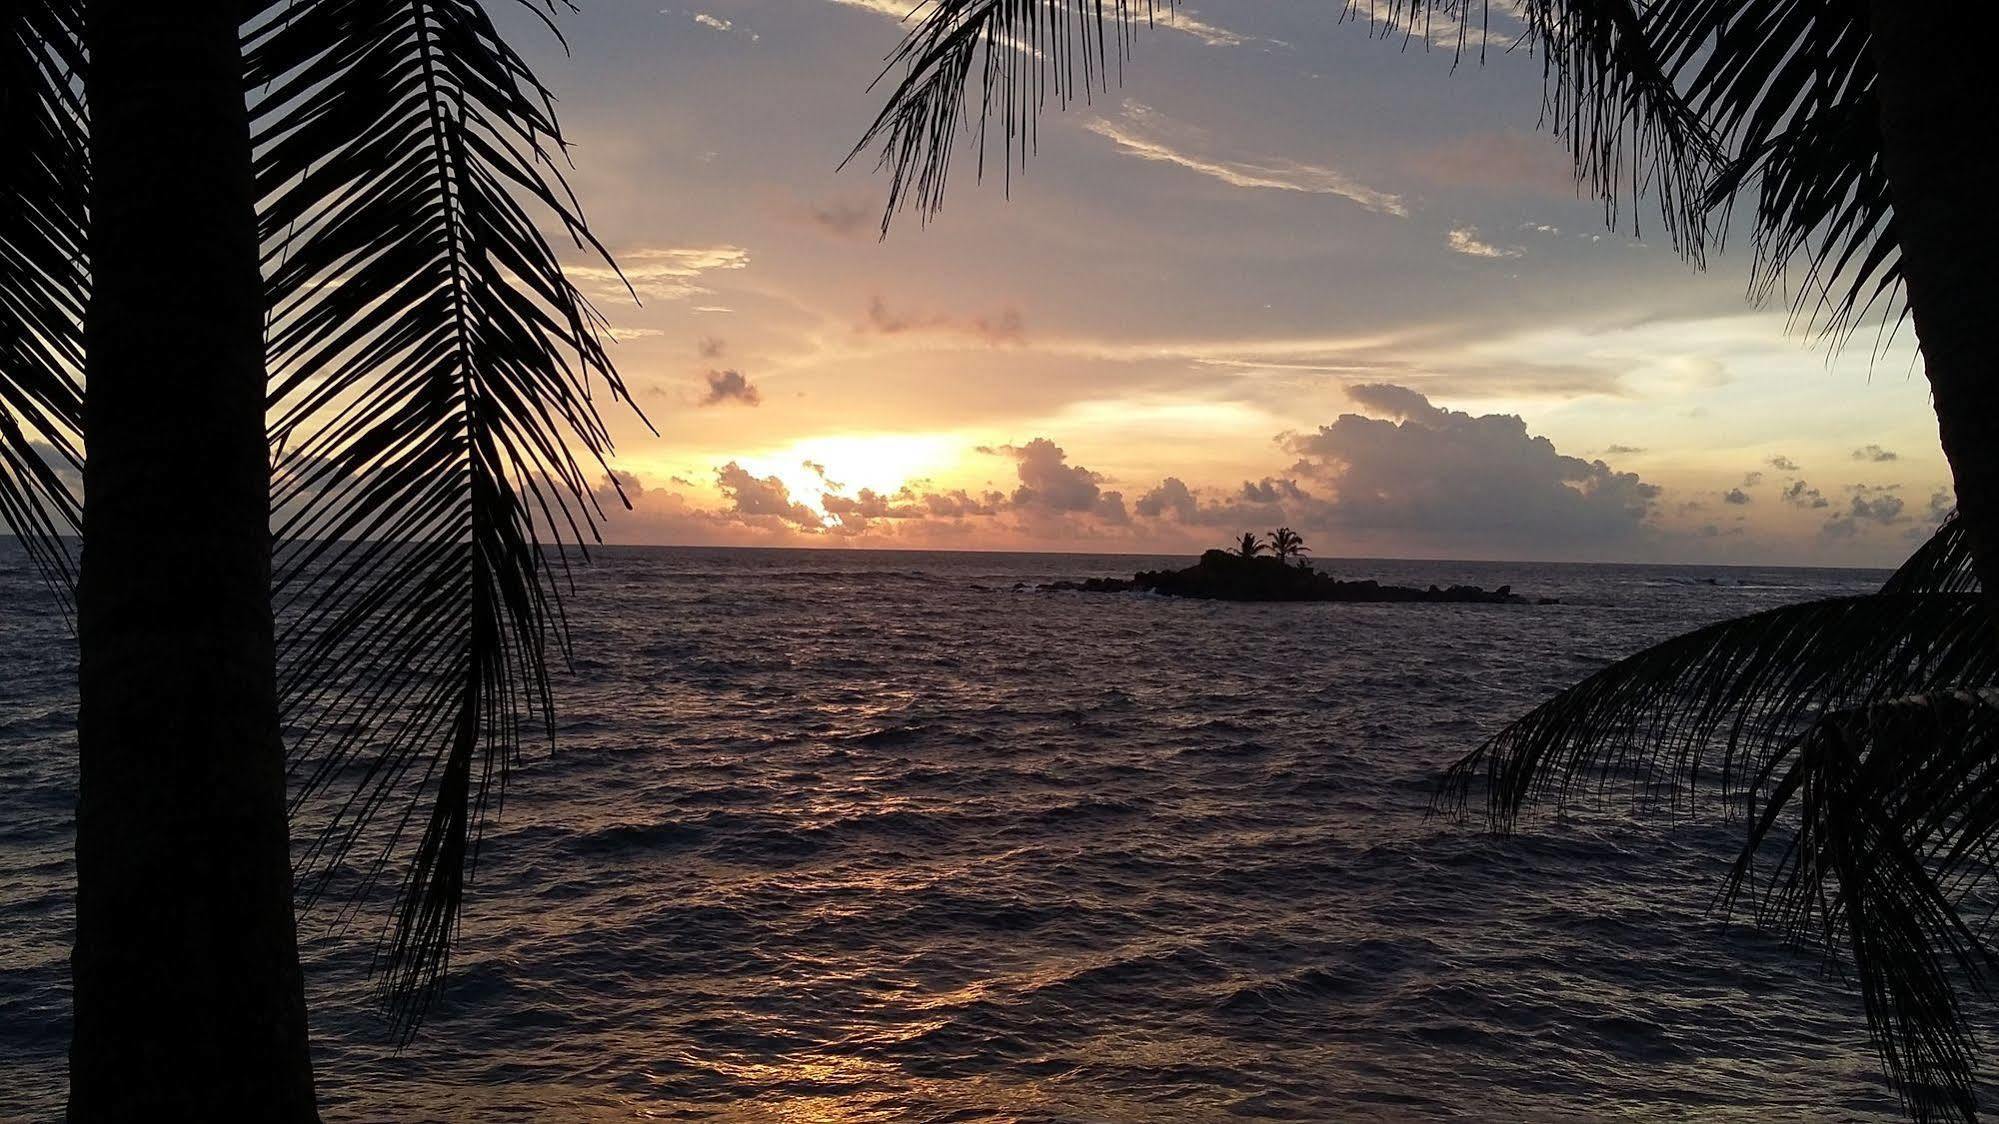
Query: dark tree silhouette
x=1286 y=543
x=1844 y=124
x=311 y=296
x=1249 y=546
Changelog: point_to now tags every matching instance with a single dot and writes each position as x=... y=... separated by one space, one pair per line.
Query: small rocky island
x=1249 y=574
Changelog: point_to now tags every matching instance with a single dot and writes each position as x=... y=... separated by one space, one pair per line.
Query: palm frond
x=1861 y=734
x=1884 y=821
x=1788 y=89
x=1023 y=50
x=44 y=280
x=1609 y=91
x=1943 y=564
x=436 y=441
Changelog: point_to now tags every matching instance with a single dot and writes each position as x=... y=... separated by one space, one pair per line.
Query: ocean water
x=857 y=836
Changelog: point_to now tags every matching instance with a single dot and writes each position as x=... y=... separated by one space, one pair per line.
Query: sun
x=846 y=463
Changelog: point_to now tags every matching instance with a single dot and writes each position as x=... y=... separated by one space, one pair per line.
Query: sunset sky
x=1287 y=273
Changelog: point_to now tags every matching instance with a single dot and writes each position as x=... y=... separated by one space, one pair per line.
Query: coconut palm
x=1287 y=543
x=1864 y=728
x=1249 y=546
x=309 y=295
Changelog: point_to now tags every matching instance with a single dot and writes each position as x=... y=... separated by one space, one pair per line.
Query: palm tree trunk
x=1938 y=102
x=188 y=997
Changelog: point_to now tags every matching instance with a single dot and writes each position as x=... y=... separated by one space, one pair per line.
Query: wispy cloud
x=1465 y=240
x=662 y=274
x=1139 y=133
x=1180 y=20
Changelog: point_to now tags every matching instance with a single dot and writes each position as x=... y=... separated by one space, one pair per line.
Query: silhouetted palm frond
x=1787 y=88
x=1884 y=821
x=1862 y=734
x=435 y=434
x=1696 y=102
x=1609 y=90
x=44 y=280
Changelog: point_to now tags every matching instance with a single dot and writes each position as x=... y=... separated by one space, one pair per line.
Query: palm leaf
x=43 y=280
x=436 y=442
x=1788 y=88
x=1862 y=737
x=1884 y=819
x=1608 y=90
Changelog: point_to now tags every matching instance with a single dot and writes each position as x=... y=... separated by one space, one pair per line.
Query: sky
x=1286 y=273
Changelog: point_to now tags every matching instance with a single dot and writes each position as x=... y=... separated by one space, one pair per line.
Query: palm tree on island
x=1286 y=543
x=1249 y=546
x=1862 y=732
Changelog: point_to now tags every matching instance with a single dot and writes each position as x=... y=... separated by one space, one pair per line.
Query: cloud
x=1050 y=484
x=1735 y=496
x=1139 y=134
x=841 y=218
x=909 y=505
x=1005 y=327
x=1875 y=454
x=1871 y=505
x=731 y=386
x=1405 y=471
x=1801 y=494
x=1751 y=479
x=711 y=347
x=1622 y=450
x=1465 y=240
x=1934 y=513
x=717 y=23
x=1876 y=504
x=1263 y=501
x=1446 y=477
x=762 y=498
x=1180 y=20
x=662 y=274
x=1168 y=19
x=1782 y=463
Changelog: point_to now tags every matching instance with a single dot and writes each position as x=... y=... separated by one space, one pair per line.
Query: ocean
x=857 y=836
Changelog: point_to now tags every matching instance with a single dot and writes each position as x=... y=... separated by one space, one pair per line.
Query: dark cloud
x=1877 y=504
x=731 y=386
x=1933 y=514
x=1005 y=327
x=1801 y=494
x=1782 y=463
x=819 y=470
x=1751 y=479
x=856 y=512
x=842 y=218
x=1870 y=505
x=1049 y=483
x=1255 y=503
x=1875 y=454
x=1622 y=450
x=711 y=347
x=1735 y=496
x=762 y=497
